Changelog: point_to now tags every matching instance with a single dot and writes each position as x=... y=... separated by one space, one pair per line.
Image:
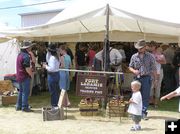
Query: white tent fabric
x=8 y=54
x=3 y=37
x=85 y=20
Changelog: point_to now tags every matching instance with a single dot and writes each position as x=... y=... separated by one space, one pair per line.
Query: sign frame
x=91 y=85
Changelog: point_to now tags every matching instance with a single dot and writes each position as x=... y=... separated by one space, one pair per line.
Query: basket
x=90 y=109
x=50 y=114
x=7 y=100
x=116 y=108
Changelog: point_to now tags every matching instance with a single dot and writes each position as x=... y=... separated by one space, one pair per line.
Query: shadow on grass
x=147 y=129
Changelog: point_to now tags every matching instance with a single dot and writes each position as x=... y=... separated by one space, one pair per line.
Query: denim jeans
x=53 y=85
x=145 y=91
x=23 y=94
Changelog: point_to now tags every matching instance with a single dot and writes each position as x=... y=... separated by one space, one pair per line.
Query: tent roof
x=85 y=20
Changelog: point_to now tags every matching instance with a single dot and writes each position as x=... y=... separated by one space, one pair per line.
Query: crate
x=50 y=114
x=8 y=100
x=116 y=109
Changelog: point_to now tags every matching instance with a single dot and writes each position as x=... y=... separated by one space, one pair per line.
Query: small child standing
x=135 y=105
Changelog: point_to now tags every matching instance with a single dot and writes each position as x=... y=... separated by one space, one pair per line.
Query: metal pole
x=106 y=42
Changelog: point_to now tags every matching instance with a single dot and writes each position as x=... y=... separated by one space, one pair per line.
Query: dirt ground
x=17 y=122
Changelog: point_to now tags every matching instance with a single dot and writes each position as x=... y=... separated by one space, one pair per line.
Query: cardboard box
x=7 y=100
x=50 y=114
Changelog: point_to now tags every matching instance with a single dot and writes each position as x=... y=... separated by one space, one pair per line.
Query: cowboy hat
x=52 y=48
x=26 y=44
x=140 y=44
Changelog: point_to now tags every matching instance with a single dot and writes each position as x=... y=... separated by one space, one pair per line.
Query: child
x=171 y=95
x=135 y=105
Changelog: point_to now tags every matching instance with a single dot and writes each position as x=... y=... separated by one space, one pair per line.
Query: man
x=142 y=65
x=23 y=76
x=114 y=55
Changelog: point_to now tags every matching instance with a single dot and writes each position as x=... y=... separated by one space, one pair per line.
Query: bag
x=50 y=114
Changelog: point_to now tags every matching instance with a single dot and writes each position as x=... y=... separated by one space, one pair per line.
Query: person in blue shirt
x=64 y=82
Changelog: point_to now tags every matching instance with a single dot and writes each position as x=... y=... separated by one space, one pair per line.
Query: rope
x=88 y=71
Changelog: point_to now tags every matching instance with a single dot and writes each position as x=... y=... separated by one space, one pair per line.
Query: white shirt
x=53 y=63
x=115 y=56
x=136 y=107
x=177 y=90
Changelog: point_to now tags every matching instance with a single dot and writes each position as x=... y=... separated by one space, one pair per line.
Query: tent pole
x=106 y=42
x=49 y=39
x=106 y=58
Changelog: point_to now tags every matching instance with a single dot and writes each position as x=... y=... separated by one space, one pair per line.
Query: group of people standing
x=56 y=58
x=147 y=67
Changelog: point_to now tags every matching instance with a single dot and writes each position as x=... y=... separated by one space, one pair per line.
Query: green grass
x=43 y=100
x=168 y=105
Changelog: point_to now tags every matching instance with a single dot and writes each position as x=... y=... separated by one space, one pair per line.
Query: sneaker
x=144 y=117
x=134 y=128
x=138 y=127
x=27 y=110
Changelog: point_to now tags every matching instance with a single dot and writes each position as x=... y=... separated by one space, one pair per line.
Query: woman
x=64 y=82
x=52 y=68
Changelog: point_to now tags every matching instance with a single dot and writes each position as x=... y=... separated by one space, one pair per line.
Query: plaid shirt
x=145 y=65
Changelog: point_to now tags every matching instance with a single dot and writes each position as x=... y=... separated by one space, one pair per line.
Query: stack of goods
x=8 y=94
x=88 y=107
x=116 y=108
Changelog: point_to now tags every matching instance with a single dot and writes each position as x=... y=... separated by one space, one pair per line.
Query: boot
x=61 y=98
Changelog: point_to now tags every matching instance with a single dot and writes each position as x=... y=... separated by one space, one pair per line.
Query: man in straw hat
x=23 y=76
x=142 y=65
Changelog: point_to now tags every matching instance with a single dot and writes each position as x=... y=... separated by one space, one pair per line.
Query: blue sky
x=166 y=10
x=12 y=18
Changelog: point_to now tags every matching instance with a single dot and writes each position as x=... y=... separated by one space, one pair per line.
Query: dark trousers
x=53 y=86
x=145 y=91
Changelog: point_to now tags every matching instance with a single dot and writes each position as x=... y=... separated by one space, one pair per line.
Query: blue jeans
x=23 y=94
x=145 y=91
x=53 y=85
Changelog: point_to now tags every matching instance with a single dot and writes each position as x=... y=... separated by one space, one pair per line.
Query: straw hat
x=140 y=44
x=26 y=44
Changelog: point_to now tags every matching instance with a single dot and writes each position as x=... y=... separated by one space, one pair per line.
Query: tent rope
x=139 y=26
x=84 y=26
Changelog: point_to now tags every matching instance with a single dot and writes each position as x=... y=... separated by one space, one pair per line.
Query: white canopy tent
x=85 y=20
x=8 y=54
x=3 y=37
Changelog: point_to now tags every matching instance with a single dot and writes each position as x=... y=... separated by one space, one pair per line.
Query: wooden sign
x=91 y=85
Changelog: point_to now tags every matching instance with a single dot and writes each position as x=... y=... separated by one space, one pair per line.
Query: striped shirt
x=146 y=65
